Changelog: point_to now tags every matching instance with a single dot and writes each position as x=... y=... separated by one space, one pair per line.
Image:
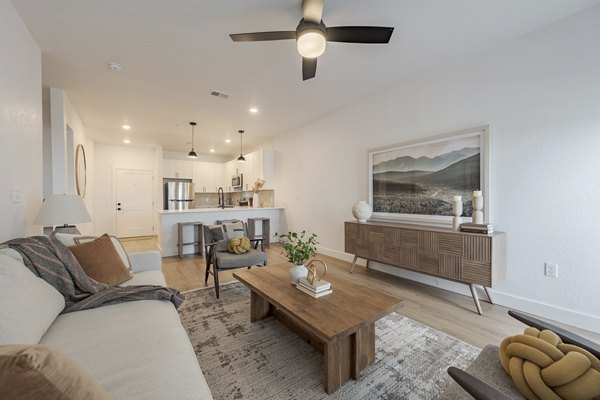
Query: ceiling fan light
x=311 y=43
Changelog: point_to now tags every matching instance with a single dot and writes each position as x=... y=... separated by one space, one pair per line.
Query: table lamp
x=60 y=210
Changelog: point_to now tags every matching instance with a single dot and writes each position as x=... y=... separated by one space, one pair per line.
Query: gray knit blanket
x=51 y=260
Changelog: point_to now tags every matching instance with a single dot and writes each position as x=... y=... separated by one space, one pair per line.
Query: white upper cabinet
x=207 y=176
x=177 y=169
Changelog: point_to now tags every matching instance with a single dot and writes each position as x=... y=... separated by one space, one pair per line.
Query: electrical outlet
x=16 y=196
x=551 y=270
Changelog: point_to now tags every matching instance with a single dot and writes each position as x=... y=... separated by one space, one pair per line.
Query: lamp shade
x=62 y=209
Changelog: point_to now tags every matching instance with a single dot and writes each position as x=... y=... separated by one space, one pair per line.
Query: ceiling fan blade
x=309 y=68
x=262 y=36
x=313 y=10
x=359 y=34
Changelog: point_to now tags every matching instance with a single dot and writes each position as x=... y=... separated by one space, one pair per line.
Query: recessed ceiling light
x=126 y=127
x=126 y=141
x=227 y=140
x=212 y=150
x=253 y=110
x=115 y=66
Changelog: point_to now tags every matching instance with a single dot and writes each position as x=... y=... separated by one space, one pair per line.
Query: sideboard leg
x=475 y=298
x=353 y=263
x=488 y=294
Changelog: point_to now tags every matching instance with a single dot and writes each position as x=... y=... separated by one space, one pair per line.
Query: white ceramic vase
x=297 y=272
x=362 y=211
x=255 y=201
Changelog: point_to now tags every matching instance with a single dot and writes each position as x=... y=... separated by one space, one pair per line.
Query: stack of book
x=316 y=289
x=485 y=229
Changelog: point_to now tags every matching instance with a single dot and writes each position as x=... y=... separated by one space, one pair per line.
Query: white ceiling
x=174 y=53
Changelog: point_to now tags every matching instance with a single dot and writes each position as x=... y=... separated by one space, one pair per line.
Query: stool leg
x=216 y=275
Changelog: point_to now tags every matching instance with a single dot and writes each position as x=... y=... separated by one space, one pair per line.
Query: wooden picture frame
x=414 y=182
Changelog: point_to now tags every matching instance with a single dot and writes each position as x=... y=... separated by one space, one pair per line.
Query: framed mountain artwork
x=416 y=181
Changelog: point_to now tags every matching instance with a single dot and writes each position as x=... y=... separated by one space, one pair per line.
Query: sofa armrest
x=478 y=389
x=145 y=261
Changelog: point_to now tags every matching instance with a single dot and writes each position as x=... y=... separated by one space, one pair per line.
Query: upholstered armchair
x=485 y=379
x=221 y=256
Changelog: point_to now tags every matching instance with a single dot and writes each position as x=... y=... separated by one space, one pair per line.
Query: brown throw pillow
x=101 y=261
x=29 y=372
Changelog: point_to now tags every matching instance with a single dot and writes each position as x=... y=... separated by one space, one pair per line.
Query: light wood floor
x=443 y=310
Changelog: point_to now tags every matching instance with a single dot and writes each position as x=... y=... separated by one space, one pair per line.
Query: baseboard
x=531 y=306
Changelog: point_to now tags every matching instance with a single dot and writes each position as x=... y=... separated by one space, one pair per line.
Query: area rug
x=265 y=360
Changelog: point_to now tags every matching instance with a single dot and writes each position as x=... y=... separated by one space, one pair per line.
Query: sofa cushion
x=135 y=350
x=69 y=239
x=155 y=278
x=101 y=261
x=226 y=260
x=28 y=305
x=39 y=372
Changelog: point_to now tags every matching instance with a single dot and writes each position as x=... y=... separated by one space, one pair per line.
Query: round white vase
x=297 y=272
x=362 y=211
x=255 y=201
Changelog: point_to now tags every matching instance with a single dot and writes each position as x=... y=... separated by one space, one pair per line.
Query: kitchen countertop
x=216 y=209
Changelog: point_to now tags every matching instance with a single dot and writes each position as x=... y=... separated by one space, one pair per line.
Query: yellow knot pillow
x=238 y=245
x=542 y=367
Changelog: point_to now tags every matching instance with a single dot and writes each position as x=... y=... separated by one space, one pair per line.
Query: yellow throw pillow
x=101 y=261
x=239 y=245
x=542 y=367
x=40 y=372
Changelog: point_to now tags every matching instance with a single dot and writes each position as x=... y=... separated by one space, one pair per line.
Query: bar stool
x=198 y=237
x=266 y=229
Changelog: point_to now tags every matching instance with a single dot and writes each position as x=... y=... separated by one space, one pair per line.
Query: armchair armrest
x=478 y=389
x=565 y=336
x=145 y=261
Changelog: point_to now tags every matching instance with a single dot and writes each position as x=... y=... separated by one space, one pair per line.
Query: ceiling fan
x=312 y=35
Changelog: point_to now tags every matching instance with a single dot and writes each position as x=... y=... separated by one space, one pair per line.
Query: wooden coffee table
x=341 y=325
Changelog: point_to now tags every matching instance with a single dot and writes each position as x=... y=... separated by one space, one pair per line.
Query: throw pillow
x=39 y=372
x=542 y=366
x=101 y=261
x=239 y=245
x=234 y=230
x=28 y=304
x=115 y=241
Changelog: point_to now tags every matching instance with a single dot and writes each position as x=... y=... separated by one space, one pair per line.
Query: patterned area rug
x=265 y=360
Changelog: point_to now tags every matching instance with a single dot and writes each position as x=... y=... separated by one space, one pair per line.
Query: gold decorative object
x=80 y=170
x=312 y=270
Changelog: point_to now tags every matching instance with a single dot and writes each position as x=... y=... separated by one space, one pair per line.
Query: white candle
x=477 y=193
x=457 y=198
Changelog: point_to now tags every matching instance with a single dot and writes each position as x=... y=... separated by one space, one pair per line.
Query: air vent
x=219 y=94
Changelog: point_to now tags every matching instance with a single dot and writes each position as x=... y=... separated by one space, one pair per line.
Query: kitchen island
x=168 y=220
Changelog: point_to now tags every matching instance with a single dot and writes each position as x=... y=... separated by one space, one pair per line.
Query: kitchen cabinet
x=179 y=169
x=207 y=176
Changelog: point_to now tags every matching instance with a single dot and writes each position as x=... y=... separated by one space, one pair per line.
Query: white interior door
x=134 y=193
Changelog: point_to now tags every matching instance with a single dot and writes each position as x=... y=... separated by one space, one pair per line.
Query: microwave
x=237 y=181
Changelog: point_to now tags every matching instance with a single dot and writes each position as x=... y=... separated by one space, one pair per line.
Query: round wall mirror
x=80 y=170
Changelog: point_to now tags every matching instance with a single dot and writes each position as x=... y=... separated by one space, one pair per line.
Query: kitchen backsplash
x=267 y=198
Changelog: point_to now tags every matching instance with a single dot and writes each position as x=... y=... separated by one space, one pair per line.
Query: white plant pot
x=362 y=211
x=297 y=272
x=255 y=201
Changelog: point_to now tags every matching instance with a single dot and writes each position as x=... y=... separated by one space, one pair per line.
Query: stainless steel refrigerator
x=179 y=196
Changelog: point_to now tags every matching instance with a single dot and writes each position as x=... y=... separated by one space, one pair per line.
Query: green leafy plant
x=297 y=249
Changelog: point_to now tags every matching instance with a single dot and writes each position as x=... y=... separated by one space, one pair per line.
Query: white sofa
x=134 y=350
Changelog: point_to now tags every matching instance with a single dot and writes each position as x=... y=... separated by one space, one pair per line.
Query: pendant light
x=241 y=157
x=192 y=153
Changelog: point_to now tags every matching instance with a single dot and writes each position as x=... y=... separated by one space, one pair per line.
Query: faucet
x=221 y=197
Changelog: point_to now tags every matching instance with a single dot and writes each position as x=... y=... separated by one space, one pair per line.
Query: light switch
x=16 y=196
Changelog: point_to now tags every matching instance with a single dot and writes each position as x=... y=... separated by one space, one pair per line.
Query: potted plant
x=298 y=250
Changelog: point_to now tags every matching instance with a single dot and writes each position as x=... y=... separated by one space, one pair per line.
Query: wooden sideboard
x=468 y=258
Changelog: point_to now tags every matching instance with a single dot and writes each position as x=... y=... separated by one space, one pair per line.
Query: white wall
x=541 y=95
x=107 y=158
x=20 y=126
